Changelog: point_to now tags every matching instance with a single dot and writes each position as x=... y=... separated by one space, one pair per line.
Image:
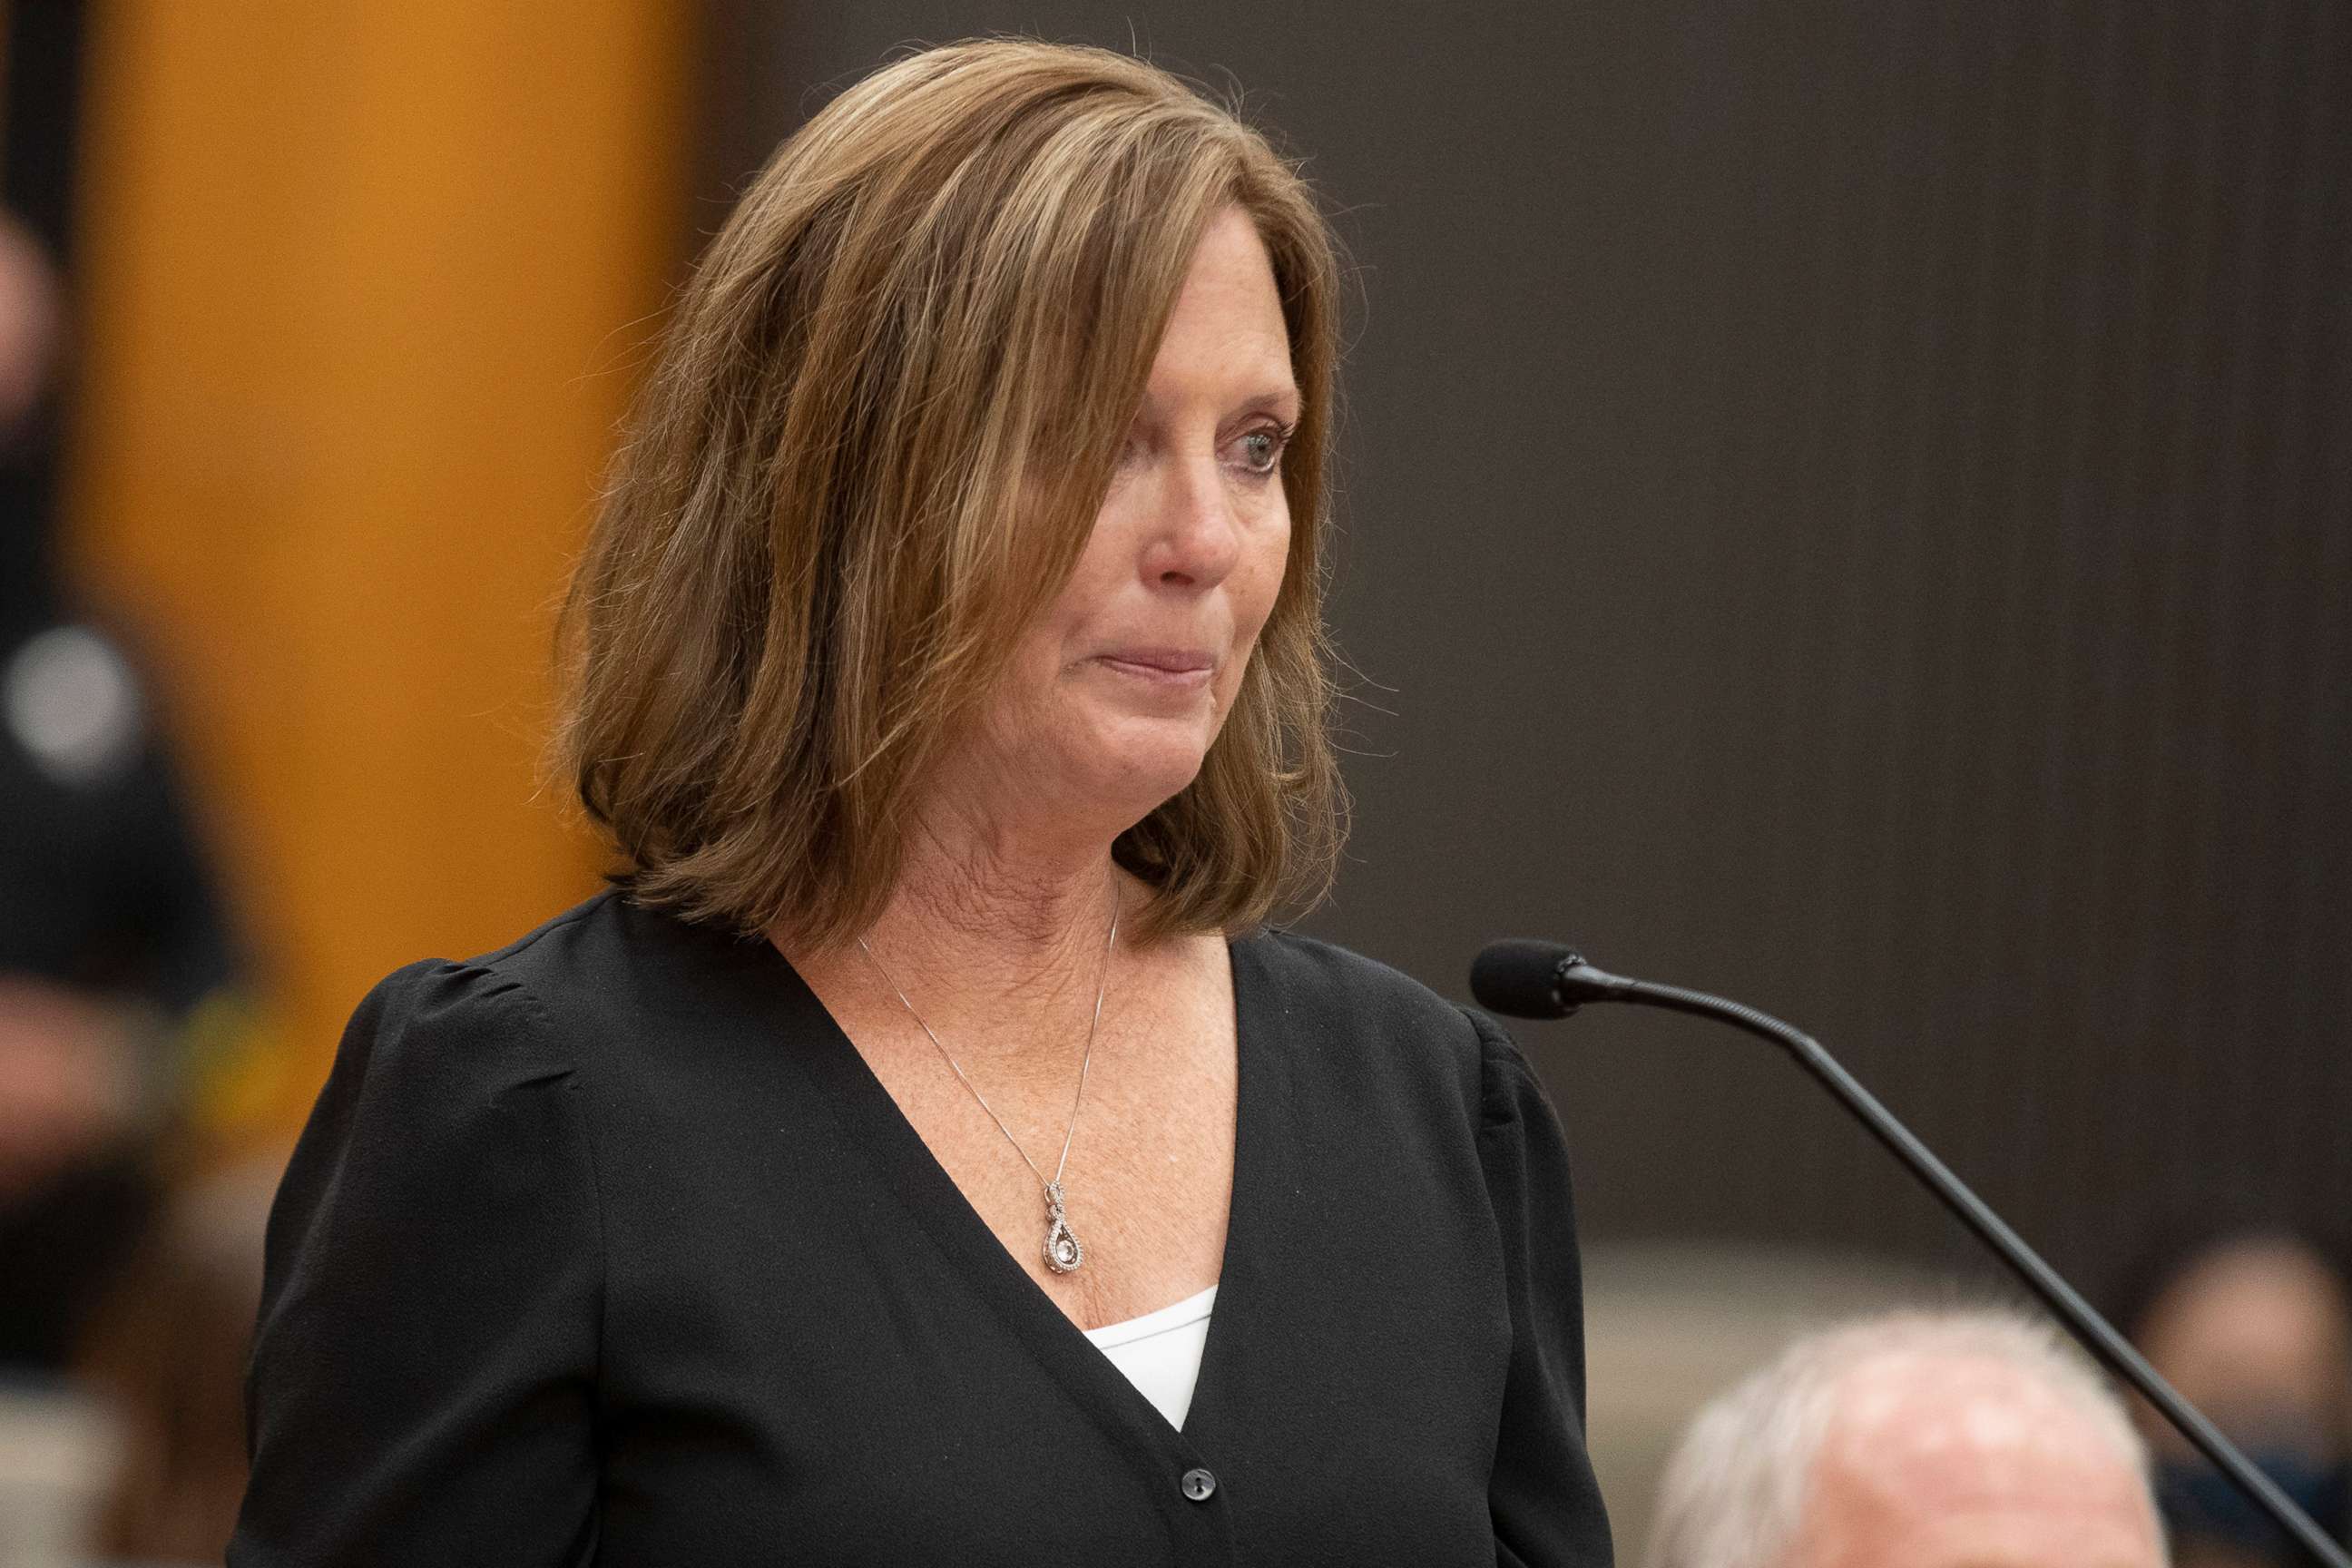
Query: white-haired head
x=1738 y=1490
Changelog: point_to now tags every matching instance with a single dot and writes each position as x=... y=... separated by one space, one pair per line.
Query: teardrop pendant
x=1064 y=1251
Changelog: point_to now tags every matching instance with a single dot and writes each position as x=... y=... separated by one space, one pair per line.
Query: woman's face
x=1118 y=688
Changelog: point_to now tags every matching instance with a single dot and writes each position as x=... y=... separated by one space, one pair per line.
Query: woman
x=923 y=1153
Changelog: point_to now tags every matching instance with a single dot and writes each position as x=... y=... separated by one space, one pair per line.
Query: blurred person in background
x=110 y=936
x=120 y=1338
x=1915 y=1440
x=2252 y=1323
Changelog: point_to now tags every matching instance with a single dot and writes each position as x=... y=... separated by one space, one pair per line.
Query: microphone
x=1525 y=979
x=1520 y=978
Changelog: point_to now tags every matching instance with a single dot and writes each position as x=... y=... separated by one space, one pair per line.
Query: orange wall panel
x=363 y=287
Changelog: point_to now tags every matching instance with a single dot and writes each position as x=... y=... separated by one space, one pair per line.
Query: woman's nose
x=1196 y=535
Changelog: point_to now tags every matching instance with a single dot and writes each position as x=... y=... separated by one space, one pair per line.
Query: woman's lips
x=1176 y=670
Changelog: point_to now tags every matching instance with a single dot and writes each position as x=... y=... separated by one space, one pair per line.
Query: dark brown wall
x=1849 y=505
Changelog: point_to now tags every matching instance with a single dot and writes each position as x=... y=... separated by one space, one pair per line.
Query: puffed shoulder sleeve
x=1547 y=1507
x=420 y=1388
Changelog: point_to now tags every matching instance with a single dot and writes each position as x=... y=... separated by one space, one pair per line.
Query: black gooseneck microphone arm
x=1544 y=980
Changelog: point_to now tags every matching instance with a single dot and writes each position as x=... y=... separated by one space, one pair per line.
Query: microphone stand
x=1575 y=982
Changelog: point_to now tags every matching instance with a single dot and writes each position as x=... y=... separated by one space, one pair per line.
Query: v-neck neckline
x=913 y=1172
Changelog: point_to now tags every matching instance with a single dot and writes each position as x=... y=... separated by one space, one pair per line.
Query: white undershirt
x=1161 y=1351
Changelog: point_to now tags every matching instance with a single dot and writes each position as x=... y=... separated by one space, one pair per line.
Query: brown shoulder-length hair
x=881 y=422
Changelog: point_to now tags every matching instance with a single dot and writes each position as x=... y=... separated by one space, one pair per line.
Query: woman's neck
x=998 y=937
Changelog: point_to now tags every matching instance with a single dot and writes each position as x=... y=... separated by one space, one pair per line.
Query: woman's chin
x=1145 y=764
x=1153 y=787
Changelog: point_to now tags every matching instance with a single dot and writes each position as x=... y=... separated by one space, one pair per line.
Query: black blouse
x=608 y=1247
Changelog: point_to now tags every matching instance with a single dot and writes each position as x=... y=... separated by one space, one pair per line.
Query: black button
x=1199 y=1485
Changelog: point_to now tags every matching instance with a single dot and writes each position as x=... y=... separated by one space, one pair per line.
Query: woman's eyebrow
x=1280 y=400
x=1274 y=402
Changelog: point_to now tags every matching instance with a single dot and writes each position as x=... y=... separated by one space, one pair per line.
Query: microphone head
x=1520 y=978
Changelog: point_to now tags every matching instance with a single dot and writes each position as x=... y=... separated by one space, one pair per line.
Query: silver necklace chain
x=1064 y=1251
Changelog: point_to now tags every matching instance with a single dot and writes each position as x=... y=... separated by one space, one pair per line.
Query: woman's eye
x=1262 y=449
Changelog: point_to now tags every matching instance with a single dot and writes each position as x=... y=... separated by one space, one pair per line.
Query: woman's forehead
x=1227 y=341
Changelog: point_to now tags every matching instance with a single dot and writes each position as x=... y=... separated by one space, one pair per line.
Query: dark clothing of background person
x=609 y=1248
x=103 y=894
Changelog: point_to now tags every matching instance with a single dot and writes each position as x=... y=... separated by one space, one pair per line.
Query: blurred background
x=1844 y=503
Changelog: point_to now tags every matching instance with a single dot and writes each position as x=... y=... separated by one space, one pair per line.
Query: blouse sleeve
x=1547 y=1508
x=422 y=1377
